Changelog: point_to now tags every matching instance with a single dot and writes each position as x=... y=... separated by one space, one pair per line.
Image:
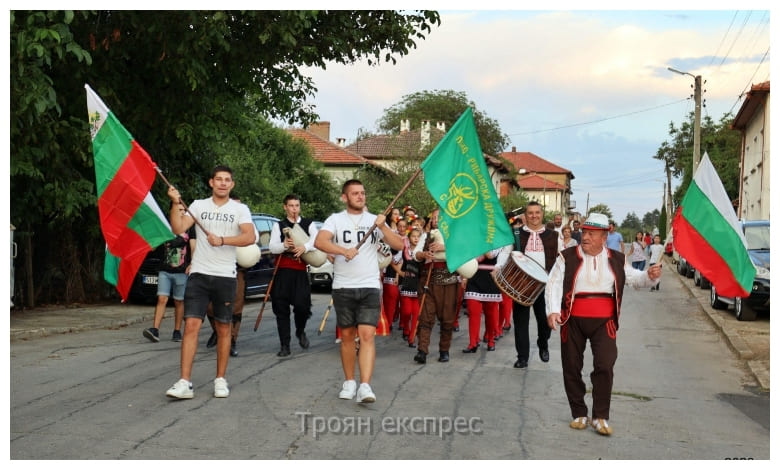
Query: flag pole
x=187 y=209
x=392 y=204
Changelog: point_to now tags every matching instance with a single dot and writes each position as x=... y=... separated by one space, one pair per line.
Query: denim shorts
x=171 y=284
x=202 y=289
x=355 y=307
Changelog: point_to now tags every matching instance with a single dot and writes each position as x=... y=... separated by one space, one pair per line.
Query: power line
x=723 y=39
x=599 y=120
x=750 y=82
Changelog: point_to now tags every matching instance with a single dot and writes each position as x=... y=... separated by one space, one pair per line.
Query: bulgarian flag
x=130 y=219
x=471 y=219
x=707 y=234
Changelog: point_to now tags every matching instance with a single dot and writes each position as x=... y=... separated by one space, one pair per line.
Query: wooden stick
x=187 y=209
x=325 y=317
x=392 y=203
x=268 y=291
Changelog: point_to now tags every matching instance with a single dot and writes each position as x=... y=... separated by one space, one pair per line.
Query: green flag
x=471 y=219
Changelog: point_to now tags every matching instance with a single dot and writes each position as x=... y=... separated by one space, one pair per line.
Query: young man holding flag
x=222 y=225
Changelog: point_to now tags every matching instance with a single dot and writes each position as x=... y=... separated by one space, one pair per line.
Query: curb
x=758 y=368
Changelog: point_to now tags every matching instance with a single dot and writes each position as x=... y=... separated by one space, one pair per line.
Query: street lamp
x=696 y=115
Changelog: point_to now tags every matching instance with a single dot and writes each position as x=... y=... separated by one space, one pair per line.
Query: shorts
x=202 y=289
x=359 y=306
x=171 y=284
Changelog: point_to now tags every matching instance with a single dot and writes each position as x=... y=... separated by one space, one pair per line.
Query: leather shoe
x=456 y=329
x=420 y=357
x=233 y=350
x=212 y=340
x=303 y=341
x=284 y=352
x=444 y=356
x=491 y=348
x=544 y=354
x=471 y=350
x=521 y=364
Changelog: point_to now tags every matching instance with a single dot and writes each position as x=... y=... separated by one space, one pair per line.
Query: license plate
x=150 y=280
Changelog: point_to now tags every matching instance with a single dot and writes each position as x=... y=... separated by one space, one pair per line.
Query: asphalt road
x=680 y=393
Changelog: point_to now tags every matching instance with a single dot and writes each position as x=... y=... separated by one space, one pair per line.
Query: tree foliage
x=193 y=87
x=632 y=222
x=718 y=140
x=600 y=209
x=446 y=106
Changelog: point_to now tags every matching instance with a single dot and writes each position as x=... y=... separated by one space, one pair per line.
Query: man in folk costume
x=584 y=292
x=441 y=299
x=291 y=287
x=542 y=245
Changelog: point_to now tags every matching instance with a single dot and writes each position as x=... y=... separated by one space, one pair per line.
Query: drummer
x=541 y=245
x=291 y=287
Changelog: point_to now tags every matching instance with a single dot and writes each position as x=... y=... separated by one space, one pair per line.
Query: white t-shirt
x=656 y=250
x=348 y=229
x=223 y=221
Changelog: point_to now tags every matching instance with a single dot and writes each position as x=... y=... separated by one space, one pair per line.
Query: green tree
x=718 y=140
x=632 y=222
x=446 y=106
x=662 y=229
x=187 y=84
x=650 y=220
x=600 y=209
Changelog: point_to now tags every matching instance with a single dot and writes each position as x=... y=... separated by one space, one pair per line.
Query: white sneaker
x=348 y=390
x=221 y=388
x=365 y=394
x=181 y=389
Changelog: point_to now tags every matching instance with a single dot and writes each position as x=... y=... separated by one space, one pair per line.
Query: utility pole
x=696 y=116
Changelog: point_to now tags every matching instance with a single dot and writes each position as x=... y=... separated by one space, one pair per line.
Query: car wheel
x=715 y=302
x=743 y=312
x=696 y=277
x=704 y=283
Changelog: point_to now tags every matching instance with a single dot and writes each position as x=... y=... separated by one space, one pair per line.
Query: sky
x=588 y=90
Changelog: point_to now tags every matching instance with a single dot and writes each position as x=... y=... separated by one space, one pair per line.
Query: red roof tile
x=533 y=163
x=392 y=146
x=537 y=182
x=327 y=152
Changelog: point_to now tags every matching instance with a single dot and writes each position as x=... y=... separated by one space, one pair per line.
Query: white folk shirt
x=348 y=229
x=222 y=221
x=595 y=276
x=276 y=245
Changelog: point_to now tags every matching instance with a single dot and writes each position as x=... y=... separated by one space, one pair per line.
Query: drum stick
x=392 y=203
x=325 y=317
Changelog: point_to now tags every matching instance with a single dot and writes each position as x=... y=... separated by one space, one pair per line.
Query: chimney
x=441 y=126
x=404 y=125
x=342 y=142
x=514 y=149
x=425 y=133
x=321 y=129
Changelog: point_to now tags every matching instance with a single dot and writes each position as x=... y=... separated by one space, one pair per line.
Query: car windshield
x=757 y=237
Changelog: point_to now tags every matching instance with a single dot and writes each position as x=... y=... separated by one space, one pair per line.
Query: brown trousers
x=441 y=303
x=574 y=335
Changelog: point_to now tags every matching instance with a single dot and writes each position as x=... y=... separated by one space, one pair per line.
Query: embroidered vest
x=573 y=261
x=549 y=241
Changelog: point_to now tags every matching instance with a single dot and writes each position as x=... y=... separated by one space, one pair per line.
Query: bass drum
x=521 y=278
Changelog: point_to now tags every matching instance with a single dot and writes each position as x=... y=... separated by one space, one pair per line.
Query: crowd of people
x=390 y=273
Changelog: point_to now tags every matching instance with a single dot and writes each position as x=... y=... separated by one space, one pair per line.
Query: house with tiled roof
x=543 y=181
x=396 y=151
x=339 y=162
x=752 y=121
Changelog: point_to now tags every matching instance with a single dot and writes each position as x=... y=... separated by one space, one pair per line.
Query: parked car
x=144 y=288
x=321 y=276
x=259 y=276
x=745 y=309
